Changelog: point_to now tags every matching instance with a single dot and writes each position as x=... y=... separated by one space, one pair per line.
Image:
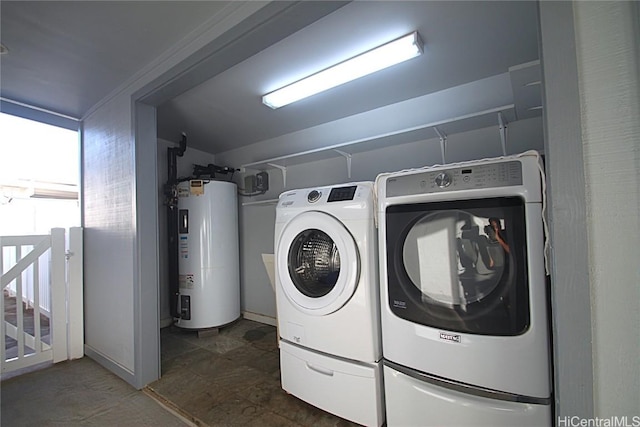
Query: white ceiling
x=66 y=56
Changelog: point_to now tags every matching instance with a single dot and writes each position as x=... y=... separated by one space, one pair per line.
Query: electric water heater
x=208 y=265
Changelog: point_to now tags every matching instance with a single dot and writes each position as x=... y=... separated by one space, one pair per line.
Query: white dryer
x=463 y=294
x=327 y=300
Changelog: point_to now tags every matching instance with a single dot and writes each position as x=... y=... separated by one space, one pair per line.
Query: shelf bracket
x=282 y=169
x=347 y=156
x=503 y=133
x=443 y=143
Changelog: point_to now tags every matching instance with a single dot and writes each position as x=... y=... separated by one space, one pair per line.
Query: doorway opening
x=39 y=177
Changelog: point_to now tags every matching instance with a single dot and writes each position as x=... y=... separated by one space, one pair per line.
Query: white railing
x=10 y=256
x=46 y=281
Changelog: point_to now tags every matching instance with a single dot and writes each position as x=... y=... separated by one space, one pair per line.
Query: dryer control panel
x=504 y=174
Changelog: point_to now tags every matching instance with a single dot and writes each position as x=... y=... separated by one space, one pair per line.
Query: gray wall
x=109 y=222
x=256 y=237
x=608 y=53
x=590 y=58
x=257 y=221
x=185 y=167
x=120 y=201
x=568 y=221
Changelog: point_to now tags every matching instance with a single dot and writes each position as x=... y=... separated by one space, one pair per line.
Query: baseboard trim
x=260 y=318
x=166 y=322
x=110 y=365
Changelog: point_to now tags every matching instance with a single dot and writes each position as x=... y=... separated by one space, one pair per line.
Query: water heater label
x=183 y=192
x=184 y=247
x=185 y=281
x=197 y=187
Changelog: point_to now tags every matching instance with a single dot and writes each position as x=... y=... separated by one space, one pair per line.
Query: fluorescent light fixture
x=381 y=57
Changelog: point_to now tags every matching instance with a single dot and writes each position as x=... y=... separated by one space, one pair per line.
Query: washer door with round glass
x=460 y=266
x=317 y=263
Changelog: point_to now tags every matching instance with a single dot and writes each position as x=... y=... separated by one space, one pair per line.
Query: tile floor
x=231 y=378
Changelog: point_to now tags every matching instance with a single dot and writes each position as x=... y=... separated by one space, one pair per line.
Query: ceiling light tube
x=384 y=56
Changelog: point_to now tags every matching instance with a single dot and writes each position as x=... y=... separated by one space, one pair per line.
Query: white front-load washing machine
x=327 y=300
x=463 y=294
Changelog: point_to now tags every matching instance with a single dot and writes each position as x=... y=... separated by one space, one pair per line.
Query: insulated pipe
x=171 y=193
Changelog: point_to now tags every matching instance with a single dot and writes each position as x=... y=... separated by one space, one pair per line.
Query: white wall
x=257 y=221
x=608 y=53
x=185 y=167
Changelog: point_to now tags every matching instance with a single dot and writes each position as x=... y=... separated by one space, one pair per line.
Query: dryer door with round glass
x=317 y=263
x=460 y=266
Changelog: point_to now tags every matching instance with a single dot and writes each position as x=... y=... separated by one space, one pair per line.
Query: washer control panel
x=314 y=196
x=339 y=194
x=354 y=193
x=491 y=175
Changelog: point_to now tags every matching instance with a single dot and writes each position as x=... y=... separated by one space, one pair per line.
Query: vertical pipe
x=172 y=221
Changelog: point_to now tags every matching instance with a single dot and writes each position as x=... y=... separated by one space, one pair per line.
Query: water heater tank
x=208 y=266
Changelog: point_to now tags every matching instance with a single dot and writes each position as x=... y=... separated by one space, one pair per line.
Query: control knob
x=443 y=180
x=313 y=196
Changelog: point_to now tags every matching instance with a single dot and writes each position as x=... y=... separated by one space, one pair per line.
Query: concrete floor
x=78 y=393
x=231 y=378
